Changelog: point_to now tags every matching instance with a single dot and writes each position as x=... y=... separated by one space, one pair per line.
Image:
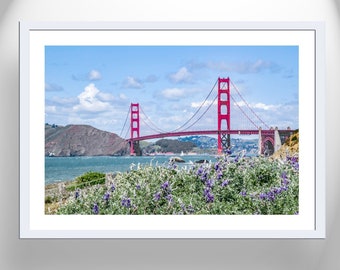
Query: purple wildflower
x=271 y=196
x=106 y=197
x=217 y=166
x=169 y=197
x=204 y=176
x=200 y=171
x=157 y=196
x=95 y=209
x=138 y=187
x=208 y=195
x=126 y=202
x=263 y=196
x=113 y=188
x=225 y=183
x=165 y=185
x=206 y=191
x=294 y=161
x=285 y=180
x=209 y=183
x=77 y=194
x=219 y=175
x=243 y=193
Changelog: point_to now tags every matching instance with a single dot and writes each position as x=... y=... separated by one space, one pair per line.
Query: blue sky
x=95 y=85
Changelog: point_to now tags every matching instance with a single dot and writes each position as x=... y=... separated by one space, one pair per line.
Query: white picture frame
x=310 y=223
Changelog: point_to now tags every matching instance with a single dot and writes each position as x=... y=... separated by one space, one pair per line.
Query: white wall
x=170 y=254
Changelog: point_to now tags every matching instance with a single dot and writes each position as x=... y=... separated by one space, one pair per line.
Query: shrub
x=229 y=186
x=86 y=180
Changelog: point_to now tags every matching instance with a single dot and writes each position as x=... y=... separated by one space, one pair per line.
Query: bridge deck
x=203 y=132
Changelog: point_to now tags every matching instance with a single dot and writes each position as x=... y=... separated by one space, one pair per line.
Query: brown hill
x=82 y=140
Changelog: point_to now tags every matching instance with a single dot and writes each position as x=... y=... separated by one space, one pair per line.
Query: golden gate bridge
x=269 y=138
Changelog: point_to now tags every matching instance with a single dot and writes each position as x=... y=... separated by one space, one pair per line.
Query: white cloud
x=196 y=105
x=122 y=96
x=259 y=105
x=50 y=109
x=182 y=75
x=240 y=103
x=94 y=75
x=88 y=100
x=173 y=93
x=265 y=106
x=105 y=96
x=131 y=82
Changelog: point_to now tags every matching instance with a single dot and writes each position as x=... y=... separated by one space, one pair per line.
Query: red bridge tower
x=223 y=115
x=134 y=128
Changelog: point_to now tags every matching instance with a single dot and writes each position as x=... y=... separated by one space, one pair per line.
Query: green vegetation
x=168 y=145
x=231 y=186
x=86 y=180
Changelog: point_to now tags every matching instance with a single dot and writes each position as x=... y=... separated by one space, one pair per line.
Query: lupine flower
x=206 y=191
x=243 y=193
x=169 y=197
x=138 y=187
x=165 y=185
x=209 y=197
x=157 y=196
x=285 y=180
x=217 y=166
x=77 y=194
x=263 y=196
x=204 y=176
x=106 y=197
x=200 y=171
x=271 y=196
x=126 y=202
x=209 y=183
x=219 y=175
x=95 y=209
x=294 y=161
x=225 y=183
x=113 y=188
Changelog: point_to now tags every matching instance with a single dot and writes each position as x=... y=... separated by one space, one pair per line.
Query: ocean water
x=68 y=168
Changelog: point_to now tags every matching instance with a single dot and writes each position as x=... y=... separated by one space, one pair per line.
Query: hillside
x=289 y=147
x=81 y=140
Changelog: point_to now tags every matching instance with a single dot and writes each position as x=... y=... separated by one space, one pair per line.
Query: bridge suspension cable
x=157 y=129
x=200 y=107
x=246 y=115
x=248 y=106
x=127 y=116
x=201 y=114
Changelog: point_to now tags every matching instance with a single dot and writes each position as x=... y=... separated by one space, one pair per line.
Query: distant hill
x=82 y=140
x=200 y=141
x=206 y=142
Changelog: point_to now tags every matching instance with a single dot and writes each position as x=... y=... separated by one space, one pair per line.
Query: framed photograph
x=172 y=130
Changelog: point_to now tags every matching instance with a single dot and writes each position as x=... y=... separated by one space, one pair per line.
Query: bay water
x=68 y=168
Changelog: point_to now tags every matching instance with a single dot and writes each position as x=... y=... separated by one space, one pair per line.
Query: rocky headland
x=82 y=140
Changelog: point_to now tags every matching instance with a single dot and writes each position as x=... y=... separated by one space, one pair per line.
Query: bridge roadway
x=203 y=132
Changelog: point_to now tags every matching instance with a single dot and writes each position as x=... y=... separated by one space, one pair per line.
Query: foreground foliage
x=232 y=186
